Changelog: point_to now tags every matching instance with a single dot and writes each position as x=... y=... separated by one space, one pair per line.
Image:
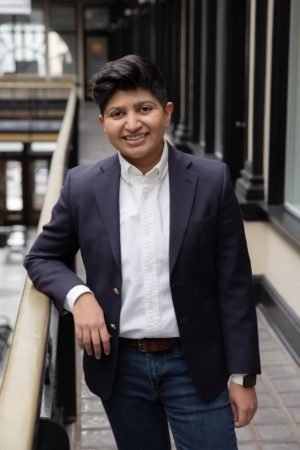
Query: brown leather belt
x=151 y=345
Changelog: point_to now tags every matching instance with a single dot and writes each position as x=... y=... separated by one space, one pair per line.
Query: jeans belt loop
x=141 y=346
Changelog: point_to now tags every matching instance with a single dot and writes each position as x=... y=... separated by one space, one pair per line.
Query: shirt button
x=113 y=326
x=116 y=291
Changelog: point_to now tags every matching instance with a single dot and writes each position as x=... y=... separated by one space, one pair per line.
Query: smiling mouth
x=136 y=137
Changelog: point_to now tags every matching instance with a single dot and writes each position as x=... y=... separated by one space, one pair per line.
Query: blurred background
x=232 y=69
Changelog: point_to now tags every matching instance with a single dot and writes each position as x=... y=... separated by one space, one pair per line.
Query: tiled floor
x=276 y=425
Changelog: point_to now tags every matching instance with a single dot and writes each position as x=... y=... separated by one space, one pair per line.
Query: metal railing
x=20 y=393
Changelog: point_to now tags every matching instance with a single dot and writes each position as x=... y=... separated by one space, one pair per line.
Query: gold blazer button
x=113 y=326
x=116 y=291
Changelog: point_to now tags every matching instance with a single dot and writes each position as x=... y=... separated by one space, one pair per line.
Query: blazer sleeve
x=50 y=260
x=235 y=292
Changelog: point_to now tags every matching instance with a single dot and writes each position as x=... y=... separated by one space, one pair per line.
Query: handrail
x=35 y=84
x=34 y=77
x=20 y=389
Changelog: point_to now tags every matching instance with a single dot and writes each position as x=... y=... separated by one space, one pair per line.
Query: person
x=166 y=314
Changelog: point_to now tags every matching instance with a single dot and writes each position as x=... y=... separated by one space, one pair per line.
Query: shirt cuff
x=237 y=378
x=73 y=295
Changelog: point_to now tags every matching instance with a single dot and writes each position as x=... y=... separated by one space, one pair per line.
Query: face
x=134 y=122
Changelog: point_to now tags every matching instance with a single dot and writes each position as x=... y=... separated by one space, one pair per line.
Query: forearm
x=54 y=278
x=51 y=258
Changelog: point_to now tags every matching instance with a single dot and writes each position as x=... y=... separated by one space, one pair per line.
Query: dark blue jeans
x=153 y=390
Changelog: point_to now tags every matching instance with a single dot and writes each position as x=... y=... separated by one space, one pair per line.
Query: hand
x=243 y=404
x=90 y=328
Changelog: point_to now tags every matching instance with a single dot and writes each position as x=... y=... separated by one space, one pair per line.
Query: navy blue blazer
x=210 y=273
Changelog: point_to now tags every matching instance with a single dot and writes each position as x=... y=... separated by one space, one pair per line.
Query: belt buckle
x=141 y=346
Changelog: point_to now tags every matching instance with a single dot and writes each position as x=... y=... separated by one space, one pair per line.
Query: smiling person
x=166 y=316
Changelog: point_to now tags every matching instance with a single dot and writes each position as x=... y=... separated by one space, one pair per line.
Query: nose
x=132 y=122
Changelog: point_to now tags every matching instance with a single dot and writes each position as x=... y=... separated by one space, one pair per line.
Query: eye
x=117 y=114
x=146 y=109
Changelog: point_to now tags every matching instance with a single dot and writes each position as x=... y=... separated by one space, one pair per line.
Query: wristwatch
x=244 y=380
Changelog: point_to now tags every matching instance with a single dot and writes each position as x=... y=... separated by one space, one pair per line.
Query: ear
x=168 y=112
x=101 y=121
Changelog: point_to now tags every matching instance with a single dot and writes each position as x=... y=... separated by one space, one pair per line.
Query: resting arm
x=49 y=265
x=49 y=262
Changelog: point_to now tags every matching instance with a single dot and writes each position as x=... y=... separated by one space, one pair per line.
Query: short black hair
x=127 y=73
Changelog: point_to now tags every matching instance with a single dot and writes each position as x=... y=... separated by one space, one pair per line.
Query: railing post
x=66 y=368
x=51 y=436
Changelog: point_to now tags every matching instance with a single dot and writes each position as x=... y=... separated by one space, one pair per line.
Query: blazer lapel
x=106 y=187
x=183 y=183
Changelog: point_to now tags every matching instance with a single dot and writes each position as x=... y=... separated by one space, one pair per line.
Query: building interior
x=232 y=70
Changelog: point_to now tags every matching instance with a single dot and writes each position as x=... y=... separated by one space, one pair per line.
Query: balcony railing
x=31 y=366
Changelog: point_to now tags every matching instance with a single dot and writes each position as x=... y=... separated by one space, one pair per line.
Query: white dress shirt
x=147 y=307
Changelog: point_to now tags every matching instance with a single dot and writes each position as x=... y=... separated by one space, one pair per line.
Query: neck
x=145 y=165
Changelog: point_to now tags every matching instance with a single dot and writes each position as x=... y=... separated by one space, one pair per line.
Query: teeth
x=135 y=138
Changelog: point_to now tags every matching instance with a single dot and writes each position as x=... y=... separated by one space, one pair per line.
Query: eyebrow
x=136 y=105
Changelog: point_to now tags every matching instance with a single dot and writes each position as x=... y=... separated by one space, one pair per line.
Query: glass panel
x=15 y=7
x=62 y=40
x=14 y=197
x=62 y=17
x=96 y=54
x=2 y=197
x=96 y=18
x=40 y=177
x=292 y=179
x=7 y=60
x=22 y=43
x=62 y=53
x=5 y=19
x=220 y=76
x=36 y=16
x=43 y=147
x=8 y=147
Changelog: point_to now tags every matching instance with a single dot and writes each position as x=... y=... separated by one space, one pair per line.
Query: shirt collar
x=130 y=173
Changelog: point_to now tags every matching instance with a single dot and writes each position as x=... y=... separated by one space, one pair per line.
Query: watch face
x=249 y=381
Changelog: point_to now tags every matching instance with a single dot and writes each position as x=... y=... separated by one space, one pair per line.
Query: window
x=22 y=43
x=14 y=198
x=95 y=24
x=220 y=78
x=96 y=54
x=62 y=39
x=292 y=179
x=40 y=174
x=96 y=18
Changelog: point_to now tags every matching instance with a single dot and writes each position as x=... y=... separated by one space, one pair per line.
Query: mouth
x=135 y=137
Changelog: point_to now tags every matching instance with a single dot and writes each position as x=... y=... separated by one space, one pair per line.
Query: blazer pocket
x=205 y=218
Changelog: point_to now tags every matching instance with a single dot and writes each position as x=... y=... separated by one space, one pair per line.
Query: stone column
x=250 y=185
x=183 y=132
